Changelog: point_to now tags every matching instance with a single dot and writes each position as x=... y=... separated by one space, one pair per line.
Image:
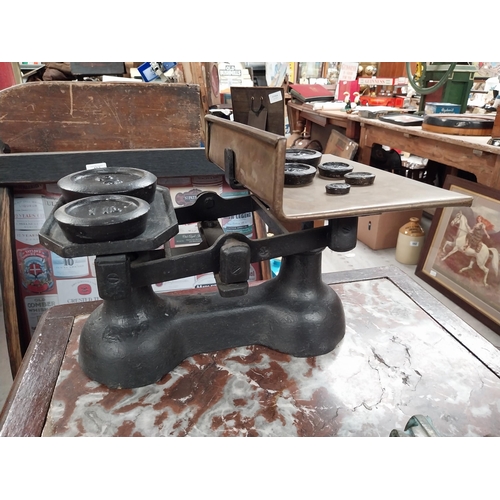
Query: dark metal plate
x=307 y=156
x=460 y=121
x=299 y=174
x=109 y=180
x=338 y=188
x=103 y=218
x=360 y=178
x=334 y=169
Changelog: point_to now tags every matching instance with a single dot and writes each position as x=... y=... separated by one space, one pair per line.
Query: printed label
x=29 y=213
x=48 y=203
x=275 y=97
x=36 y=306
x=73 y=267
x=241 y=223
x=72 y=291
x=36 y=272
x=28 y=237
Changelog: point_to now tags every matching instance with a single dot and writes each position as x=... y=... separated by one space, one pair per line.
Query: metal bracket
x=229 y=166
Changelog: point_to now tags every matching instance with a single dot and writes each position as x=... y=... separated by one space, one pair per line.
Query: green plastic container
x=457 y=88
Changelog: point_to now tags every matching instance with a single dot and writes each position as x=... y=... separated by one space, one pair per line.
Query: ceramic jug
x=410 y=241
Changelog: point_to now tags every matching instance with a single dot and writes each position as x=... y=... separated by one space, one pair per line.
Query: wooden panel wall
x=393 y=69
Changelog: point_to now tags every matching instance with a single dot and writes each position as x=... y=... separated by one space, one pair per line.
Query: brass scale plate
x=260 y=167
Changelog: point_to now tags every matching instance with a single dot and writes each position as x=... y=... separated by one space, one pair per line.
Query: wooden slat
x=455 y=130
x=7 y=278
x=50 y=167
x=193 y=74
x=28 y=401
x=495 y=132
x=89 y=116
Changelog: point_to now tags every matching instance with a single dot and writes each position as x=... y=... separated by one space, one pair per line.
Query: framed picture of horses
x=460 y=257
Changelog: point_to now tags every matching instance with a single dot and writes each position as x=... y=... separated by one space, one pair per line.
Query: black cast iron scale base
x=136 y=336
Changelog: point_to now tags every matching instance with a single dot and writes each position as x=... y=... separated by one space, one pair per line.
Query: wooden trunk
x=90 y=116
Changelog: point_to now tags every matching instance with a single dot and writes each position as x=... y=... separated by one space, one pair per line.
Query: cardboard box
x=381 y=231
x=441 y=107
x=340 y=145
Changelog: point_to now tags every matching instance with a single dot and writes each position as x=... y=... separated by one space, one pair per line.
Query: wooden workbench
x=339 y=119
x=469 y=153
x=404 y=353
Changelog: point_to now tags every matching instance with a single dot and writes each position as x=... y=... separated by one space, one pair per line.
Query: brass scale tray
x=259 y=160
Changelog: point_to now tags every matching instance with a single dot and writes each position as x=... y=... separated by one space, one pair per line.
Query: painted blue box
x=441 y=107
x=148 y=75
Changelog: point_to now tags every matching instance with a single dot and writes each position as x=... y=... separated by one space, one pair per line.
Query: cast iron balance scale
x=121 y=216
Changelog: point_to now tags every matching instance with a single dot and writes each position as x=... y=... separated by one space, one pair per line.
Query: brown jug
x=410 y=241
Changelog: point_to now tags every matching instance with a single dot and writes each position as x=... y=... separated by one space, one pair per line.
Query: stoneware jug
x=410 y=241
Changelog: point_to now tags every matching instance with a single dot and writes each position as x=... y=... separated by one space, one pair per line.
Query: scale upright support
x=135 y=337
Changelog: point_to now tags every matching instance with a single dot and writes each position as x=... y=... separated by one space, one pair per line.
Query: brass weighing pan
x=259 y=165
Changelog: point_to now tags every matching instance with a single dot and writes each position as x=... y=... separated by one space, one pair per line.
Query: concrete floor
x=360 y=258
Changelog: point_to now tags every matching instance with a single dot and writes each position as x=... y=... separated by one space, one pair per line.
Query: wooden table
x=340 y=119
x=469 y=153
x=404 y=353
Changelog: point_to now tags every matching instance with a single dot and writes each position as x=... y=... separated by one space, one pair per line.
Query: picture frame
x=461 y=265
x=308 y=70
